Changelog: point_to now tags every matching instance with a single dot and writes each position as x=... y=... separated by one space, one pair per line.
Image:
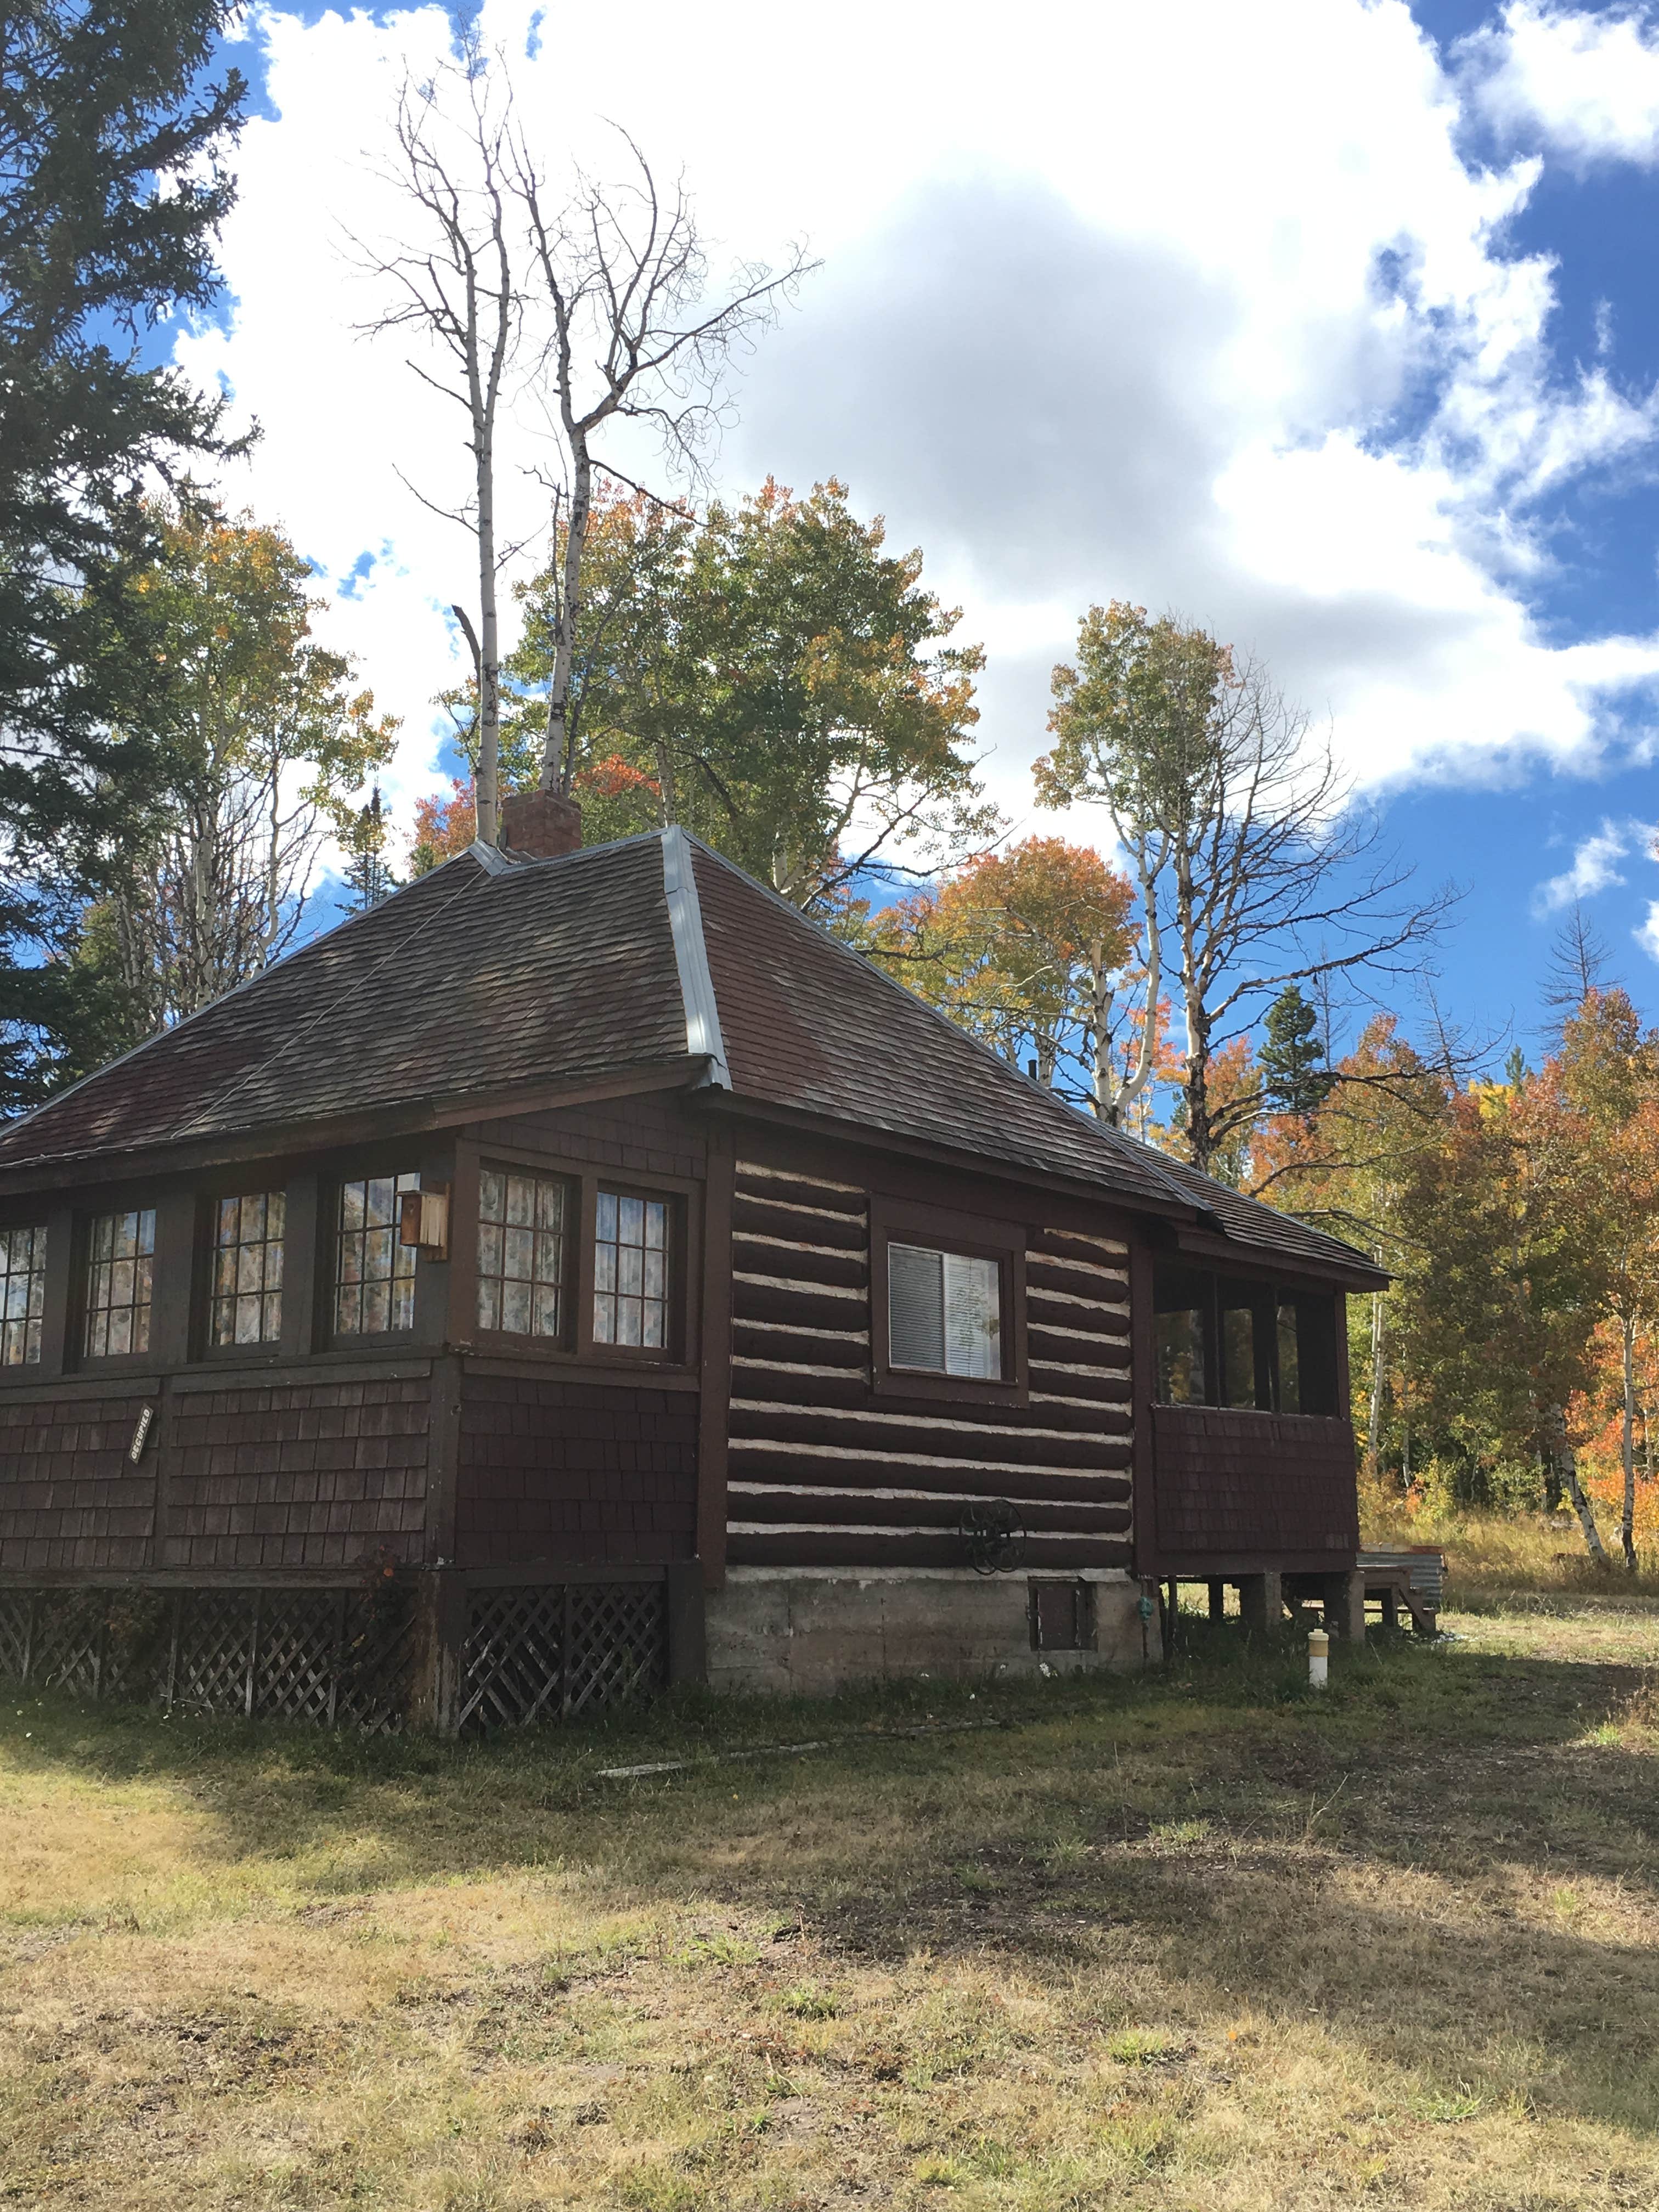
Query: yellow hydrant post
x=1319 y=1659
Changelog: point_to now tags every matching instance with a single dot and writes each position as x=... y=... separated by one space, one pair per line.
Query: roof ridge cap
x=1109 y=1136
x=703 y=1037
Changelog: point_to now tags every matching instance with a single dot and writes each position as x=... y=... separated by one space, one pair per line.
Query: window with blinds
x=944 y=1313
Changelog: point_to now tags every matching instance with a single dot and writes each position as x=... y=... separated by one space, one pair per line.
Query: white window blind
x=944 y=1313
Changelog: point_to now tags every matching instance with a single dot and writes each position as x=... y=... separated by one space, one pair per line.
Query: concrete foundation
x=794 y=1633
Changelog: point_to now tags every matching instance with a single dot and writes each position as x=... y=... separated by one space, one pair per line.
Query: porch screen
x=944 y=1313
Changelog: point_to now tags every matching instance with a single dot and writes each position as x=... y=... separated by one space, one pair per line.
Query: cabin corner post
x=443 y=1463
x=434 y=1690
x=687 y=1636
x=1142 y=1372
x=714 y=1365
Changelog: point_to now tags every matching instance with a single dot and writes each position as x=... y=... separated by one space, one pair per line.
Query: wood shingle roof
x=493 y=976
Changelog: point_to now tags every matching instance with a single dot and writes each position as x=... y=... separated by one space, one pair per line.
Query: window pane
x=916 y=1308
x=522 y=1255
x=118 y=1283
x=248 y=1261
x=371 y=1254
x=973 y=1317
x=22 y=1294
x=1237 y=1356
x=1181 y=1356
x=1290 y=1387
x=630 y=1271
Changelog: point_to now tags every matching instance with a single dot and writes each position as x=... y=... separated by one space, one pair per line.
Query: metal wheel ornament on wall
x=994 y=1535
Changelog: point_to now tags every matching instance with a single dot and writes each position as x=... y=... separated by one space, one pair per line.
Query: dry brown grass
x=1201 y=1944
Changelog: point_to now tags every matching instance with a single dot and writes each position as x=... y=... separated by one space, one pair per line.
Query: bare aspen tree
x=1258 y=868
x=623 y=282
x=455 y=283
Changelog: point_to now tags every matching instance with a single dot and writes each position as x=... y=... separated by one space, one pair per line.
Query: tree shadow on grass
x=1380 y=1863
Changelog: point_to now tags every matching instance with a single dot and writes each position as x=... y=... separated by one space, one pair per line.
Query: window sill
x=1241 y=1412
x=926 y=1388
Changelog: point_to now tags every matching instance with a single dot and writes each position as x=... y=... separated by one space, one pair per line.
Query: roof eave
x=288 y=1139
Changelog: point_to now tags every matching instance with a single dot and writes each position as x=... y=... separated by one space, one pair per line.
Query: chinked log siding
x=823 y=1473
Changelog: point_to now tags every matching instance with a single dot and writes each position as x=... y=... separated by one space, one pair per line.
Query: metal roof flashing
x=703 y=1039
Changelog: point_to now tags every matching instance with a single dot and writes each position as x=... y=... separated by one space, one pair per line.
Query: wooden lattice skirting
x=547 y=1651
x=340 y=1657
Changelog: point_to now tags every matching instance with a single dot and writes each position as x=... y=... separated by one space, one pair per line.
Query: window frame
x=500 y=1161
x=580 y=1350
x=78 y=1358
x=973 y=1236
x=1269 y=1295
x=328 y=1338
x=203 y=1251
x=39 y=1224
x=672 y=1351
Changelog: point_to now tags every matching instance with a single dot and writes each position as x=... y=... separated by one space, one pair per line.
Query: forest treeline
x=190 y=777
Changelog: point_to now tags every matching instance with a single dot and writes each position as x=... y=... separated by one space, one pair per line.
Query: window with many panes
x=120 y=1268
x=22 y=1294
x=247 y=1269
x=521 y=1251
x=630 y=1271
x=374 y=1274
x=944 y=1313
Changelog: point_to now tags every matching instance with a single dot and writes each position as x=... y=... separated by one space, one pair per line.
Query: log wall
x=826 y=1471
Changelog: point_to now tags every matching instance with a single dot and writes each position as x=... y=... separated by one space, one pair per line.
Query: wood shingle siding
x=1267 y=1489
x=303 y=1475
x=69 y=1496
x=569 y=1470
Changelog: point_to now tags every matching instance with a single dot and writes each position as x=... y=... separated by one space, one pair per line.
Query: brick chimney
x=540 y=826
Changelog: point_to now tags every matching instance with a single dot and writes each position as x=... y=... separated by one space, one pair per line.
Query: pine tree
x=368 y=880
x=1295 y=1079
x=111 y=194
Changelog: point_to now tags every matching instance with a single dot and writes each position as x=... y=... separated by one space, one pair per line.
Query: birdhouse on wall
x=424 y=1222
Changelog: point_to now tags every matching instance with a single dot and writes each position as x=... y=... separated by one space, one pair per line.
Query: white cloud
x=1596 y=865
x=1647 y=933
x=1585 y=80
x=1197 y=305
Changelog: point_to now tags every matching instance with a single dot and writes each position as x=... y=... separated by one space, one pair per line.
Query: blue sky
x=1331 y=323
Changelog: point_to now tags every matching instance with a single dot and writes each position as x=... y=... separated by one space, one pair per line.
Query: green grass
x=1199 y=1942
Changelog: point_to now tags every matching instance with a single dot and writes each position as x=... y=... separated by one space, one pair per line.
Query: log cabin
x=580 y=1272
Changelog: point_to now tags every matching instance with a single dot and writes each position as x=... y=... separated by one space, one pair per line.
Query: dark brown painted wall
x=570 y=1470
x=1253 y=1490
x=439 y=1448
